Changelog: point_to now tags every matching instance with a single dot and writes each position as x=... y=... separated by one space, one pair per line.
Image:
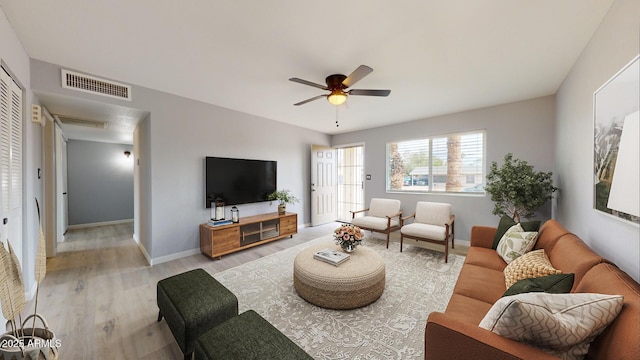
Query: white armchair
x=433 y=222
x=383 y=216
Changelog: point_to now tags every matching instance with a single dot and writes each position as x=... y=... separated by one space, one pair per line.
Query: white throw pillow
x=515 y=243
x=560 y=324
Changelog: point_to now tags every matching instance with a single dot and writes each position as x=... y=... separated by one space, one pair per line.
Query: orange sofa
x=455 y=334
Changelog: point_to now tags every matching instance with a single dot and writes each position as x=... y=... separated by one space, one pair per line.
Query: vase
x=348 y=247
x=282 y=209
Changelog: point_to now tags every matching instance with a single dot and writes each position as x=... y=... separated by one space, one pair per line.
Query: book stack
x=218 y=222
x=333 y=257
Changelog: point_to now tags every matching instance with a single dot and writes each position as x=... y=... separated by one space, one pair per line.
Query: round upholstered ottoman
x=357 y=282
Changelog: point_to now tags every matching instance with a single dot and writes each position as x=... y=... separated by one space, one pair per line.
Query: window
x=447 y=163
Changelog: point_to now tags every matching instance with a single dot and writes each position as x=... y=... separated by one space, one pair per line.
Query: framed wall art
x=616 y=106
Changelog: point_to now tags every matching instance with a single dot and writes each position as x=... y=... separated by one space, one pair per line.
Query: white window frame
x=413 y=188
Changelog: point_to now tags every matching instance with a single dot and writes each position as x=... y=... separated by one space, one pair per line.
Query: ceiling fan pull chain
x=337 y=107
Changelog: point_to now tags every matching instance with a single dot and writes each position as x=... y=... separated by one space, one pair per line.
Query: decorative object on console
x=235 y=214
x=615 y=144
x=284 y=197
x=516 y=189
x=218 y=209
x=348 y=237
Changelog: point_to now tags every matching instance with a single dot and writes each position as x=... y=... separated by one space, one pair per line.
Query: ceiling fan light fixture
x=337 y=97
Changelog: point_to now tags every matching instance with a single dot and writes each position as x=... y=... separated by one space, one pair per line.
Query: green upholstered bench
x=192 y=303
x=248 y=337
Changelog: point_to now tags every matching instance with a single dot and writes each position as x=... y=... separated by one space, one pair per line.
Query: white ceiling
x=437 y=57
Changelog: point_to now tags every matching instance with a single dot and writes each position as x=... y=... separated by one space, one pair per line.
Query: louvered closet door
x=11 y=162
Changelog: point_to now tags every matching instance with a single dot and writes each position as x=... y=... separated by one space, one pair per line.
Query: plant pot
x=29 y=343
x=282 y=209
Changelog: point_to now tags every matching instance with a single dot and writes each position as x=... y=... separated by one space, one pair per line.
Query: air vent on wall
x=94 y=85
x=81 y=122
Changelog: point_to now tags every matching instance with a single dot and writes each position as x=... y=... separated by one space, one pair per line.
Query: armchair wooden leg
x=446 y=250
x=401 y=239
x=387 y=239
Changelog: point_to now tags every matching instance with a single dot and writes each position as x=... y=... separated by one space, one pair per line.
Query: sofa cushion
x=433 y=232
x=530 y=265
x=467 y=309
x=549 y=234
x=515 y=243
x=572 y=255
x=480 y=283
x=372 y=222
x=560 y=324
x=507 y=222
x=484 y=257
x=555 y=284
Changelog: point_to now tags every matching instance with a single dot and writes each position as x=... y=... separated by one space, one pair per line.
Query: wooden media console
x=216 y=241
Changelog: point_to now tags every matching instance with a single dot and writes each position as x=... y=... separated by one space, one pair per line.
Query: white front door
x=323 y=185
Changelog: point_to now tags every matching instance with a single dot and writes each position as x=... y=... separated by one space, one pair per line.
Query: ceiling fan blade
x=357 y=75
x=367 y=92
x=309 y=100
x=305 y=82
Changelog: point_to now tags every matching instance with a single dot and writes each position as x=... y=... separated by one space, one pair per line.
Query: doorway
x=350 y=182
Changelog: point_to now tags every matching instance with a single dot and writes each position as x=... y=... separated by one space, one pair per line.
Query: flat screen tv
x=238 y=181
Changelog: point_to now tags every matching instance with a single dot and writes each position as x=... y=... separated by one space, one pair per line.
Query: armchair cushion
x=383 y=207
x=433 y=232
x=432 y=213
x=371 y=222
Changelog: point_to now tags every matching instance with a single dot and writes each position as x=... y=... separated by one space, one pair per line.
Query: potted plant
x=284 y=197
x=517 y=190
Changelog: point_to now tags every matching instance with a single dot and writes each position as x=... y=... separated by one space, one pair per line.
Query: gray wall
x=525 y=128
x=176 y=137
x=99 y=182
x=614 y=44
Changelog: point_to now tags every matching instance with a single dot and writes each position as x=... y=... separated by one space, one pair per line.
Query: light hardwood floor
x=99 y=295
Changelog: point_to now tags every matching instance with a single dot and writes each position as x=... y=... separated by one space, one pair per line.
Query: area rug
x=418 y=282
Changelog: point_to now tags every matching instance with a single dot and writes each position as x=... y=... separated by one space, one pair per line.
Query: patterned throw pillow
x=506 y=222
x=530 y=265
x=515 y=243
x=560 y=324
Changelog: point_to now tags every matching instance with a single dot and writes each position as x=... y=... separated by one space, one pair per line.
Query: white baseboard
x=115 y=222
x=145 y=253
x=180 y=255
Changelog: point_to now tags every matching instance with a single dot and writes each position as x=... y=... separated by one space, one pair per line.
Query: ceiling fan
x=338 y=85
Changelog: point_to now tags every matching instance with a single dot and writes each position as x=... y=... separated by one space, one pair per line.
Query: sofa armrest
x=447 y=338
x=482 y=236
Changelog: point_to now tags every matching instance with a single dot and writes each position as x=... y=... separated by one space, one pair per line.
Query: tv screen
x=238 y=181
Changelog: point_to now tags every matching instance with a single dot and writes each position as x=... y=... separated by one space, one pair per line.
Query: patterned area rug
x=417 y=283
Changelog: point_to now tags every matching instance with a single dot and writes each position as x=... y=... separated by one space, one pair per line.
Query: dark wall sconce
x=127 y=153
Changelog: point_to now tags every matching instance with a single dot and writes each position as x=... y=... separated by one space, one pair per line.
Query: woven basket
x=14 y=346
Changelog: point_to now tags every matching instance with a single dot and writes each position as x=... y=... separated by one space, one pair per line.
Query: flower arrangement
x=348 y=237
